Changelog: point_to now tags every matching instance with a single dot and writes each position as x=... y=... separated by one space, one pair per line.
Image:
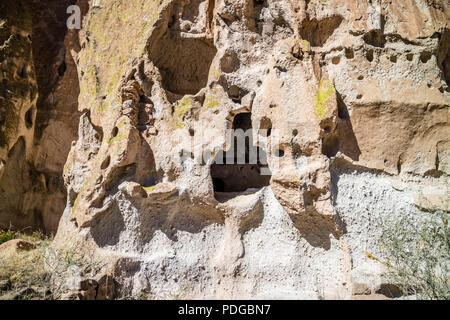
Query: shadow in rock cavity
x=343 y=139
x=183 y=62
x=238 y=170
x=108 y=226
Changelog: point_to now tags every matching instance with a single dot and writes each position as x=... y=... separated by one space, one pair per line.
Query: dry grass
x=71 y=263
x=42 y=273
x=418 y=256
x=26 y=270
x=34 y=237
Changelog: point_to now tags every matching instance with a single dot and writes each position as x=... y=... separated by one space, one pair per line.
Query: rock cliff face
x=348 y=106
x=38 y=112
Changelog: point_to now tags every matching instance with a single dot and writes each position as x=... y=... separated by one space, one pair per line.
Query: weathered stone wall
x=349 y=101
x=38 y=113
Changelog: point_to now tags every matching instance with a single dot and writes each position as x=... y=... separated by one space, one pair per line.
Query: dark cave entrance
x=243 y=166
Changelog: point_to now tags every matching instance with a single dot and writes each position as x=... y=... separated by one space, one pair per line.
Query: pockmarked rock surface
x=346 y=102
x=38 y=112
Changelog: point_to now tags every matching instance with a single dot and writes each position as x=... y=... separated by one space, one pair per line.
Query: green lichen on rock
x=313 y=3
x=212 y=99
x=210 y=102
x=325 y=91
x=119 y=137
x=75 y=204
x=115 y=35
x=151 y=188
x=182 y=107
x=122 y=124
x=305 y=45
x=217 y=73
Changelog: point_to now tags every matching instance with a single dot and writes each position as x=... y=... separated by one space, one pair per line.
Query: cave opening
x=184 y=62
x=243 y=166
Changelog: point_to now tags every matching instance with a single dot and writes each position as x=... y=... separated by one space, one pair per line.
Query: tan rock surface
x=347 y=100
x=38 y=112
x=15 y=246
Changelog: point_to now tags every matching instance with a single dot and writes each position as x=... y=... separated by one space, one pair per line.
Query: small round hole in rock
x=234 y=92
x=425 y=56
x=105 y=163
x=295 y=132
x=330 y=146
x=29 y=119
x=393 y=59
x=265 y=127
x=349 y=54
x=409 y=57
x=361 y=78
x=369 y=55
x=359 y=96
x=279 y=153
x=336 y=60
x=114 y=132
x=191 y=132
x=23 y=72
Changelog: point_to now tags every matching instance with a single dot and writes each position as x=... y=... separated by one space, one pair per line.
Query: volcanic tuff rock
x=38 y=112
x=347 y=100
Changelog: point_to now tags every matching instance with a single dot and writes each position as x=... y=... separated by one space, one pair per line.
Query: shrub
x=5 y=236
x=42 y=273
x=418 y=255
x=26 y=272
x=72 y=263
